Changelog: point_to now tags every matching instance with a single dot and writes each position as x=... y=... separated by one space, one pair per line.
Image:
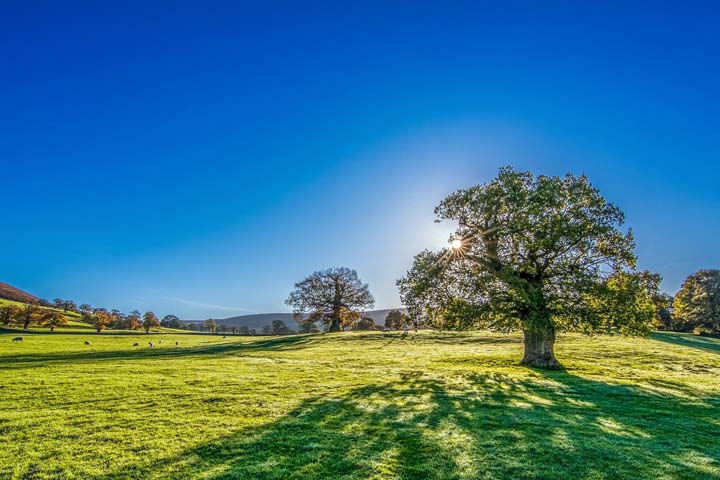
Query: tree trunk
x=334 y=325
x=539 y=349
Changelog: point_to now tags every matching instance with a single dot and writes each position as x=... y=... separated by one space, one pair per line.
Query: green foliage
x=447 y=406
x=150 y=320
x=697 y=304
x=365 y=323
x=209 y=325
x=395 y=320
x=533 y=254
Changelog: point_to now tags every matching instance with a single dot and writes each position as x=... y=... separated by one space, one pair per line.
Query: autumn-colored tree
x=101 y=319
x=133 y=320
x=335 y=296
x=530 y=253
x=28 y=314
x=52 y=318
x=150 y=320
x=9 y=314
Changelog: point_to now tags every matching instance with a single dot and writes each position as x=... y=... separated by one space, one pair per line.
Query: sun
x=456 y=244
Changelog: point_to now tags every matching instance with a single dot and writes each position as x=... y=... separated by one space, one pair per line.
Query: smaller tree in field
x=29 y=313
x=209 y=325
x=9 y=314
x=53 y=318
x=101 y=319
x=335 y=296
x=84 y=308
x=278 y=327
x=133 y=320
x=150 y=320
x=365 y=323
x=395 y=320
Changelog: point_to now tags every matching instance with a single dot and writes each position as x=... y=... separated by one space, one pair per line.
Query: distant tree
x=150 y=320
x=133 y=320
x=171 y=321
x=84 y=308
x=365 y=323
x=29 y=313
x=530 y=253
x=210 y=325
x=267 y=330
x=42 y=302
x=58 y=303
x=335 y=296
x=118 y=320
x=697 y=304
x=101 y=319
x=278 y=327
x=395 y=320
x=253 y=331
x=53 y=318
x=69 y=305
x=223 y=328
x=192 y=326
x=9 y=314
x=662 y=301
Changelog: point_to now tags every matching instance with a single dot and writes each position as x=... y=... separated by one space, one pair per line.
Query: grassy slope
x=357 y=406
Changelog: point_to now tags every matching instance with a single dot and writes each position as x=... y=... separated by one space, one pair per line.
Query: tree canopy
x=530 y=253
x=335 y=296
x=697 y=304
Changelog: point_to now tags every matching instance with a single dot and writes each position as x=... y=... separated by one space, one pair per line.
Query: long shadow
x=137 y=353
x=552 y=425
x=688 y=340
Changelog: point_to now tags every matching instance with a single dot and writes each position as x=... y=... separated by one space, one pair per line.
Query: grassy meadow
x=357 y=405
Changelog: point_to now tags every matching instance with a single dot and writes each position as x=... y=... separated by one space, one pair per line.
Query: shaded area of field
x=358 y=406
x=688 y=340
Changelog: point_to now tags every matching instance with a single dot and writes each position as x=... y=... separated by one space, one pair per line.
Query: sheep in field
x=177 y=344
x=151 y=344
x=87 y=342
x=136 y=344
x=18 y=339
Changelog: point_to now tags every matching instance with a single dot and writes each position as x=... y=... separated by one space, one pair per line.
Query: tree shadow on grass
x=549 y=425
x=688 y=340
x=140 y=353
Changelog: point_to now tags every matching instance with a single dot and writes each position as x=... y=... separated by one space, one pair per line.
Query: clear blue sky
x=200 y=159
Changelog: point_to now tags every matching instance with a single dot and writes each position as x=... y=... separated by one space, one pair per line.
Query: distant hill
x=259 y=320
x=8 y=292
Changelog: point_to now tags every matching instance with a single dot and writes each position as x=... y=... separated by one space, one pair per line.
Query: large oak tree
x=335 y=296
x=537 y=254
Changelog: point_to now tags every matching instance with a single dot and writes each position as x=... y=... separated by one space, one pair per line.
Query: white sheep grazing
x=136 y=344
x=18 y=339
x=151 y=344
x=87 y=342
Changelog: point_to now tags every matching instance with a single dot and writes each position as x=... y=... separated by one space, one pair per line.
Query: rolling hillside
x=9 y=292
x=257 y=321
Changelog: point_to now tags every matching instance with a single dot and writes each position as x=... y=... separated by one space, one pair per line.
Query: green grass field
x=351 y=406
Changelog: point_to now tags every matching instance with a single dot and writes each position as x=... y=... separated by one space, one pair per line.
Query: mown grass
x=349 y=405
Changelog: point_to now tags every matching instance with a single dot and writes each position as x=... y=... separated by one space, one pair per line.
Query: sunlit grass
x=356 y=406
